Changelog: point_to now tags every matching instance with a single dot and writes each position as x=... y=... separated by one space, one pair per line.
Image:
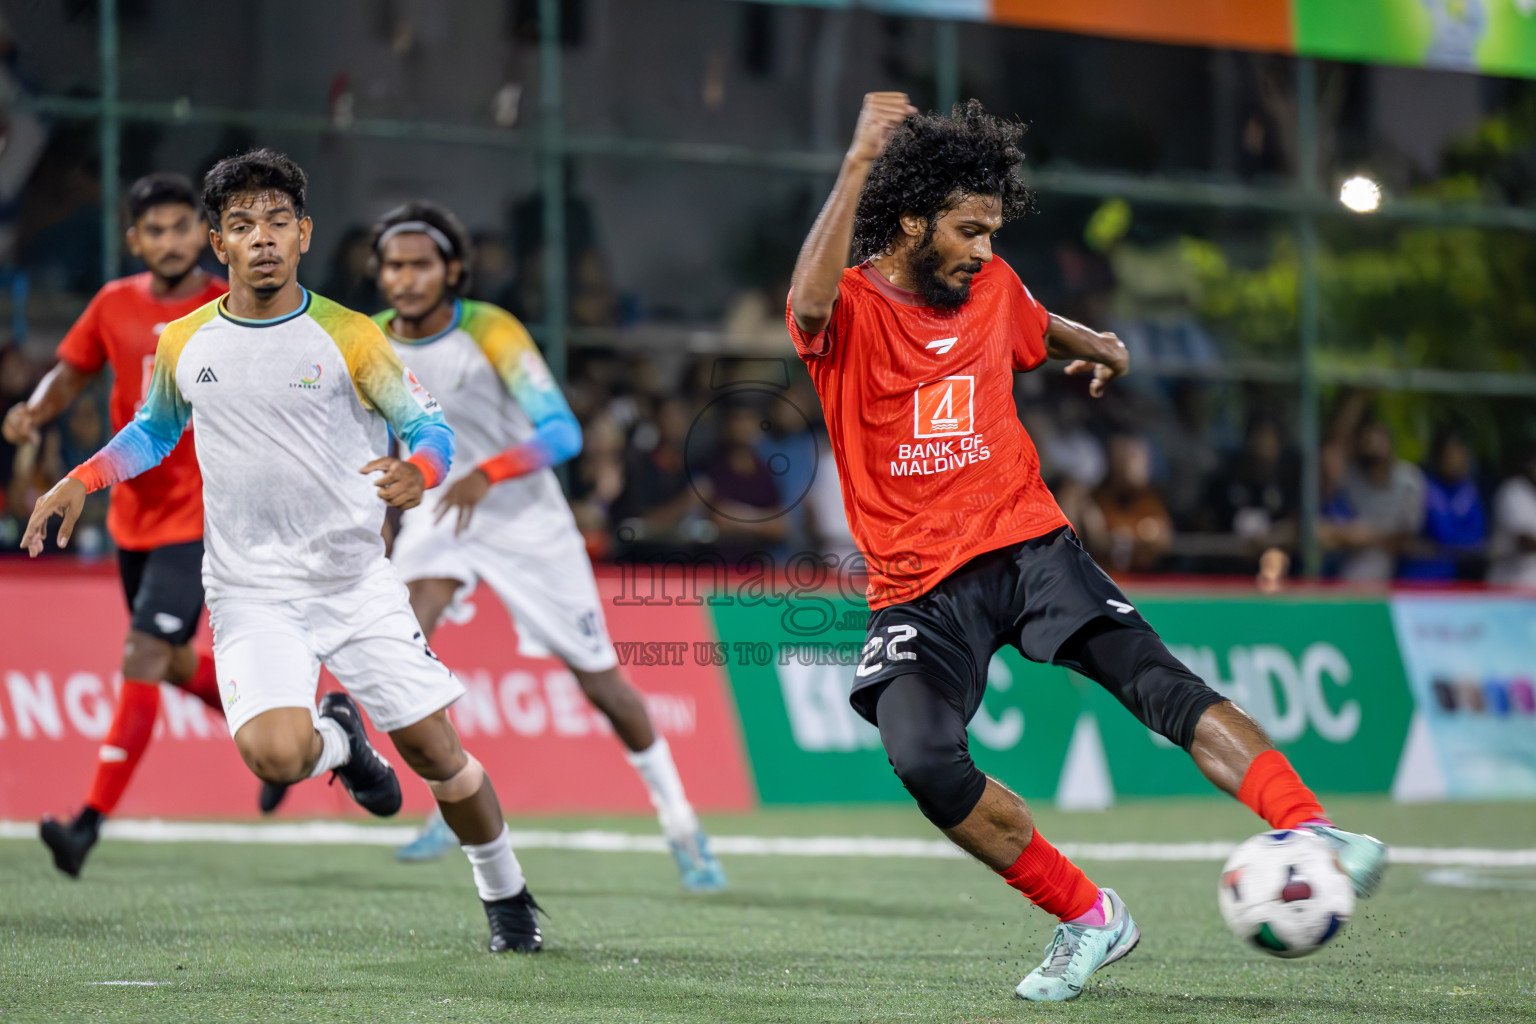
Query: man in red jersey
x=156 y=518
x=913 y=353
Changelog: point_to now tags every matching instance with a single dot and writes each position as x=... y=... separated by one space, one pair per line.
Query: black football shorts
x=164 y=587
x=1033 y=596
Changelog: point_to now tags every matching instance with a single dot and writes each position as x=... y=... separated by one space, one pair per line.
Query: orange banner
x=1241 y=24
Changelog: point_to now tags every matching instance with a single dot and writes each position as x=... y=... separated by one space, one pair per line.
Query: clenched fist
x=879 y=118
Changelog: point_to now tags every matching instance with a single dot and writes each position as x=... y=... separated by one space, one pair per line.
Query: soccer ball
x=1285 y=893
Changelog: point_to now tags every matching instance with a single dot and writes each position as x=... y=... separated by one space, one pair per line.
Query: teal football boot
x=1076 y=951
x=434 y=840
x=1363 y=857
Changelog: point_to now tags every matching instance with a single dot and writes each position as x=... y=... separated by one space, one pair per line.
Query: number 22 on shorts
x=869 y=664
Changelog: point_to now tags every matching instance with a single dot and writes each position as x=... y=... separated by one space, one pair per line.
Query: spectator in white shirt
x=1513 y=548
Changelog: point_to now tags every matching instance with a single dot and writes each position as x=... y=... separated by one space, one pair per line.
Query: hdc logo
x=944 y=408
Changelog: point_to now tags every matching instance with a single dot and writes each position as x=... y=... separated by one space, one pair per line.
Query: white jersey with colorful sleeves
x=509 y=417
x=504 y=407
x=288 y=410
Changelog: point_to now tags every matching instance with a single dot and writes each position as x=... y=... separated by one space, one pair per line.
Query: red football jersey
x=935 y=466
x=121 y=326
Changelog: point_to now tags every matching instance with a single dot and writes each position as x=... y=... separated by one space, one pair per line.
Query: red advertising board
x=545 y=747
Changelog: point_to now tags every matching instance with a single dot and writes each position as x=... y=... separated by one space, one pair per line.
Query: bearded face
x=954 y=247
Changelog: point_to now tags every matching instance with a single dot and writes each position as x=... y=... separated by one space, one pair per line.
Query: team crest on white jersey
x=945 y=408
x=306 y=375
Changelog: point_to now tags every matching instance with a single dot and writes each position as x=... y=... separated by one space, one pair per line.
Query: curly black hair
x=252 y=173
x=440 y=218
x=931 y=162
x=160 y=189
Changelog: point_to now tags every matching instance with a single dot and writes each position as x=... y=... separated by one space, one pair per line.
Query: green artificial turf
x=235 y=933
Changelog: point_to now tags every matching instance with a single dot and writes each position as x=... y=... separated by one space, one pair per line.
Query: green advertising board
x=1323 y=677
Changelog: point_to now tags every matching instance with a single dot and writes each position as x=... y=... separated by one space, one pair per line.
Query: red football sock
x=204 y=684
x=1272 y=790
x=1051 y=881
x=127 y=738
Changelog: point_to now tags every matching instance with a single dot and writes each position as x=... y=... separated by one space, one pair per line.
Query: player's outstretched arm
x=1097 y=352
x=140 y=446
x=59 y=387
x=824 y=255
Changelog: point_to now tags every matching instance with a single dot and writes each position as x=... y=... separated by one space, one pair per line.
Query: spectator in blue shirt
x=1455 y=533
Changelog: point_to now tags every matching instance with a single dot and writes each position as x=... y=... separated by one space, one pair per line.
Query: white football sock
x=497 y=872
x=659 y=774
x=335 y=748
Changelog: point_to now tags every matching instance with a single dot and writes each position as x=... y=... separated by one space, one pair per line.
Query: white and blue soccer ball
x=1284 y=893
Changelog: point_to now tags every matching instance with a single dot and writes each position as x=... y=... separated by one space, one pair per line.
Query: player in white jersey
x=294 y=396
x=501 y=516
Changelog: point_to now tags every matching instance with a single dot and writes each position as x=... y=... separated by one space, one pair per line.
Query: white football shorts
x=268 y=653
x=544 y=581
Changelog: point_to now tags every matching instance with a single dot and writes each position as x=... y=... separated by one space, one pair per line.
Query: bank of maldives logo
x=306 y=376
x=944 y=408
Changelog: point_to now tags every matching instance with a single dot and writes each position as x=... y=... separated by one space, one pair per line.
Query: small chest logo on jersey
x=306 y=376
x=944 y=408
x=205 y=376
x=942 y=345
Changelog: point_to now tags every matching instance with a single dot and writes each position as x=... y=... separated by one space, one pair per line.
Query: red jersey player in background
x=913 y=353
x=156 y=518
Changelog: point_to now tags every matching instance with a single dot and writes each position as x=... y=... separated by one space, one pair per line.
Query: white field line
x=330 y=833
x=1462 y=878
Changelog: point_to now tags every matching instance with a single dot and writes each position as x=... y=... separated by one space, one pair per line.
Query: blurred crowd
x=692 y=452
x=749 y=468
x=1185 y=470
x=729 y=456
x=1165 y=498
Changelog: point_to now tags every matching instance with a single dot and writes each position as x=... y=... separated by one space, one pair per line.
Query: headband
x=419 y=227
